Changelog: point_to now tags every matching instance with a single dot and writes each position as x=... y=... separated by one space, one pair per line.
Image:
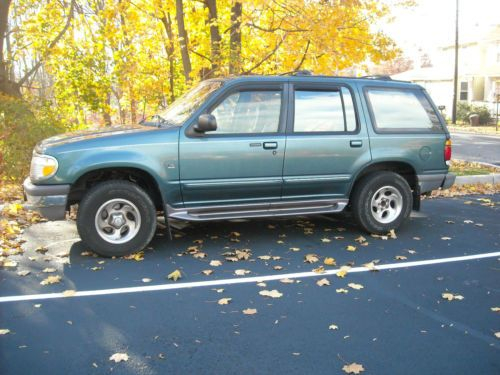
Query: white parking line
x=242 y=280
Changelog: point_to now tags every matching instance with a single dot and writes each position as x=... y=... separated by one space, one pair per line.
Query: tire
x=116 y=218
x=381 y=201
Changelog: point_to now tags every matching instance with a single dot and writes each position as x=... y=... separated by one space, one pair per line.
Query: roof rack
x=381 y=77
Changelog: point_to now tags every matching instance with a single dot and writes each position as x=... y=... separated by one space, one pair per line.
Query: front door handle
x=357 y=143
x=270 y=145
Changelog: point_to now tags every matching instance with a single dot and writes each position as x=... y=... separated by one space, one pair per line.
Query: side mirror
x=206 y=123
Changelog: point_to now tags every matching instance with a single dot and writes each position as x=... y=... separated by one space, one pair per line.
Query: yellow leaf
x=199 y=255
x=175 y=275
x=450 y=296
x=311 y=258
x=264 y=257
x=207 y=272
x=320 y=269
x=326 y=240
x=353 y=368
x=138 y=256
x=51 y=280
x=330 y=262
x=287 y=281
x=271 y=293
x=146 y=280
x=392 y=234
x=400 y=257
x=323 y=282
x=9 y=263
x=495 y=309
x=333 y=327
x=215 y=263
x=224 y=301
x=342 y=290
x=350 y=248
x=497 y=335
x=355 y=286
x=4 y=331
x=69 y=293
x=343 y=271
x=241 y=272
x=360 y=239
x=250 y=311
x=278 y=268
x=295 y=249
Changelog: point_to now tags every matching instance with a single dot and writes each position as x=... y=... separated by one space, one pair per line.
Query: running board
x=257 y=210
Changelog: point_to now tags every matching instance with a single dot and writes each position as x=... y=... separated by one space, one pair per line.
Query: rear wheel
x=381 y=201
x=116 y=218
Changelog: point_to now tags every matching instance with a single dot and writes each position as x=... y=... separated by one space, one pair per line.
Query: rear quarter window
x=401 y=110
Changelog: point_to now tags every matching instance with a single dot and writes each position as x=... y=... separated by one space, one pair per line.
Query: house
x=478 y=72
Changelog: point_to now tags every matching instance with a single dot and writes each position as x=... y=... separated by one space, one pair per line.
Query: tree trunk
x=183 y=39
x=169 y=48
x=6 y=85
x=235 y=39
x=215 y=39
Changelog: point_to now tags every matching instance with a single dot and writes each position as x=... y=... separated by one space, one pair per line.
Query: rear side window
x=324 y=111
x=402 y=110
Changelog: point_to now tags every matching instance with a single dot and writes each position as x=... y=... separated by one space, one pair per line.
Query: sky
x=431 y=23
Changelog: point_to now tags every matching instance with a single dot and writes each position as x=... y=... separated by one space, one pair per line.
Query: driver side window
x=248 y=112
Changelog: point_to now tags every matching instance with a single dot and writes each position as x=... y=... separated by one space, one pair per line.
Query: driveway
x=473 y=147
x=393 y=320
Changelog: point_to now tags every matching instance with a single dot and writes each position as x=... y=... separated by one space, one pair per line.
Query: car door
x=241 y=162
x=326 y=143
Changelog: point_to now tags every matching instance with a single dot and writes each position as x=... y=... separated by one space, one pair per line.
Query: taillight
x=447 y=150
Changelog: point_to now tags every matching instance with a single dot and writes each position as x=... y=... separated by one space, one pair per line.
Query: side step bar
x=256 y=210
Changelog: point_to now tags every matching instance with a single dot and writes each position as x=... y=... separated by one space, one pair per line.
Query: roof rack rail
x=381 y=77
x=302 y=73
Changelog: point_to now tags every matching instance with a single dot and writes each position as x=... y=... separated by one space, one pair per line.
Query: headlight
x=42 y=167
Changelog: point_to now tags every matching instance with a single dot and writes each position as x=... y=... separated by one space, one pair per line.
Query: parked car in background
x=244 y=147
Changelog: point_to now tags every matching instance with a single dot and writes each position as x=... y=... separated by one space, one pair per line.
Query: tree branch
x=278 y=45
x=51 y=45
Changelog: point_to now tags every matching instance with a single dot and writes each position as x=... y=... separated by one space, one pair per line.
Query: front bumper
x=49 y=200
x=429 y=182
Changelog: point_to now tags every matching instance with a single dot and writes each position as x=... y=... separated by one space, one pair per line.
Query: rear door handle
x=270 y=145
x=356 y=143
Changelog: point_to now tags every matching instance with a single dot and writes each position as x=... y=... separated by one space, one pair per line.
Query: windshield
x=180 y=110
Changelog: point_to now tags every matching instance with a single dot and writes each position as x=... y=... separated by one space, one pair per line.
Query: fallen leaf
x=400 y=257
x=241 y=272
x=49 y=270
x=326 y=240
x=9 y=263
x=355 y=286
x=37 y=305
x=311 y=258
x=119 y=357
x=215 y=263
x=342 y=272
x=23 y=273
x=287 y=281
x=219 y=290
x=271 y=293
x=342 y=290
x=495 y=309
x=278 y=268
x=320 y=269
x=497 y=335
x=249 y=311
x=243 y=254
x=276 y=257
x=353 y=368
x=146 y=280
x=96 y=268
x=232 y=259
x=295 y=249
x=451 y=296
x=234 y=234
x=371 y=266
x=468 y=221
x=446 y=238
x=174 y=275
x=392 y=234
x=207 y=272
x=262 y=285
x=330 y=261
x=135 y=256
x=360 y=239
x=350 y=248
x=41 y=249
x=333 y=327
x=224 y=301
x=264 y=257
x=323 y=282
x=4 y=331
x=199 y=255
x=69 y=293
x=51 y=280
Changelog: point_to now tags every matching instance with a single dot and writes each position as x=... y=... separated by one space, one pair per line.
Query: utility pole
x=455 y=75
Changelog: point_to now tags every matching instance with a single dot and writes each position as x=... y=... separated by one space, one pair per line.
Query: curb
x=492 y=178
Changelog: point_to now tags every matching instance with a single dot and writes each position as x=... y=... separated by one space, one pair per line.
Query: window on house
x=464 y=88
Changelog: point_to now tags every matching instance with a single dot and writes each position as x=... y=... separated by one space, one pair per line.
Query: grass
x=466 y=128
x=464 y=168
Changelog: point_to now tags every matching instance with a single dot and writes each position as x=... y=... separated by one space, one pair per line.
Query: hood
x=72 y=137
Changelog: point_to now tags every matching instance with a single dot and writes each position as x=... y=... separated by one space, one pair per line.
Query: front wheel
x=116 y=218
x=381 y=202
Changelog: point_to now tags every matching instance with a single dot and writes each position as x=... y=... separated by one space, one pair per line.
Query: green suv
x=254 y=146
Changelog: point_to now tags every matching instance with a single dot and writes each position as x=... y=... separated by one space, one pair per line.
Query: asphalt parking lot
x=397 y=323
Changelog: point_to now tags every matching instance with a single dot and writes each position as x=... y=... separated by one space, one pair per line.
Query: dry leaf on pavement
x=224 y=301
x=49 y=270
x=333 y=327
x=330 y=262
x=355 y=286
x=353 y=368
x=311 y=258
x=215 y=263
x=400 y=257
x=350 y=248
x=323 y=282
x=342 y=272
x=241 y=272
x=69 y=293
x=264 y=257
x=495 y=309
x=119 y=357
x=249 y=311
x=51 y=280
x=23 y=273
x=271 y=293
x=207 y=272
x=287 y=281
x=146 y=280
x=4 y=331
x=174 y=275
x=451 y=296
x=341 y=290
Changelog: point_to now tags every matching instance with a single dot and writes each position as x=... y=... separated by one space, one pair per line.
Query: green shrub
x=21 y=127
x=464 y=110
